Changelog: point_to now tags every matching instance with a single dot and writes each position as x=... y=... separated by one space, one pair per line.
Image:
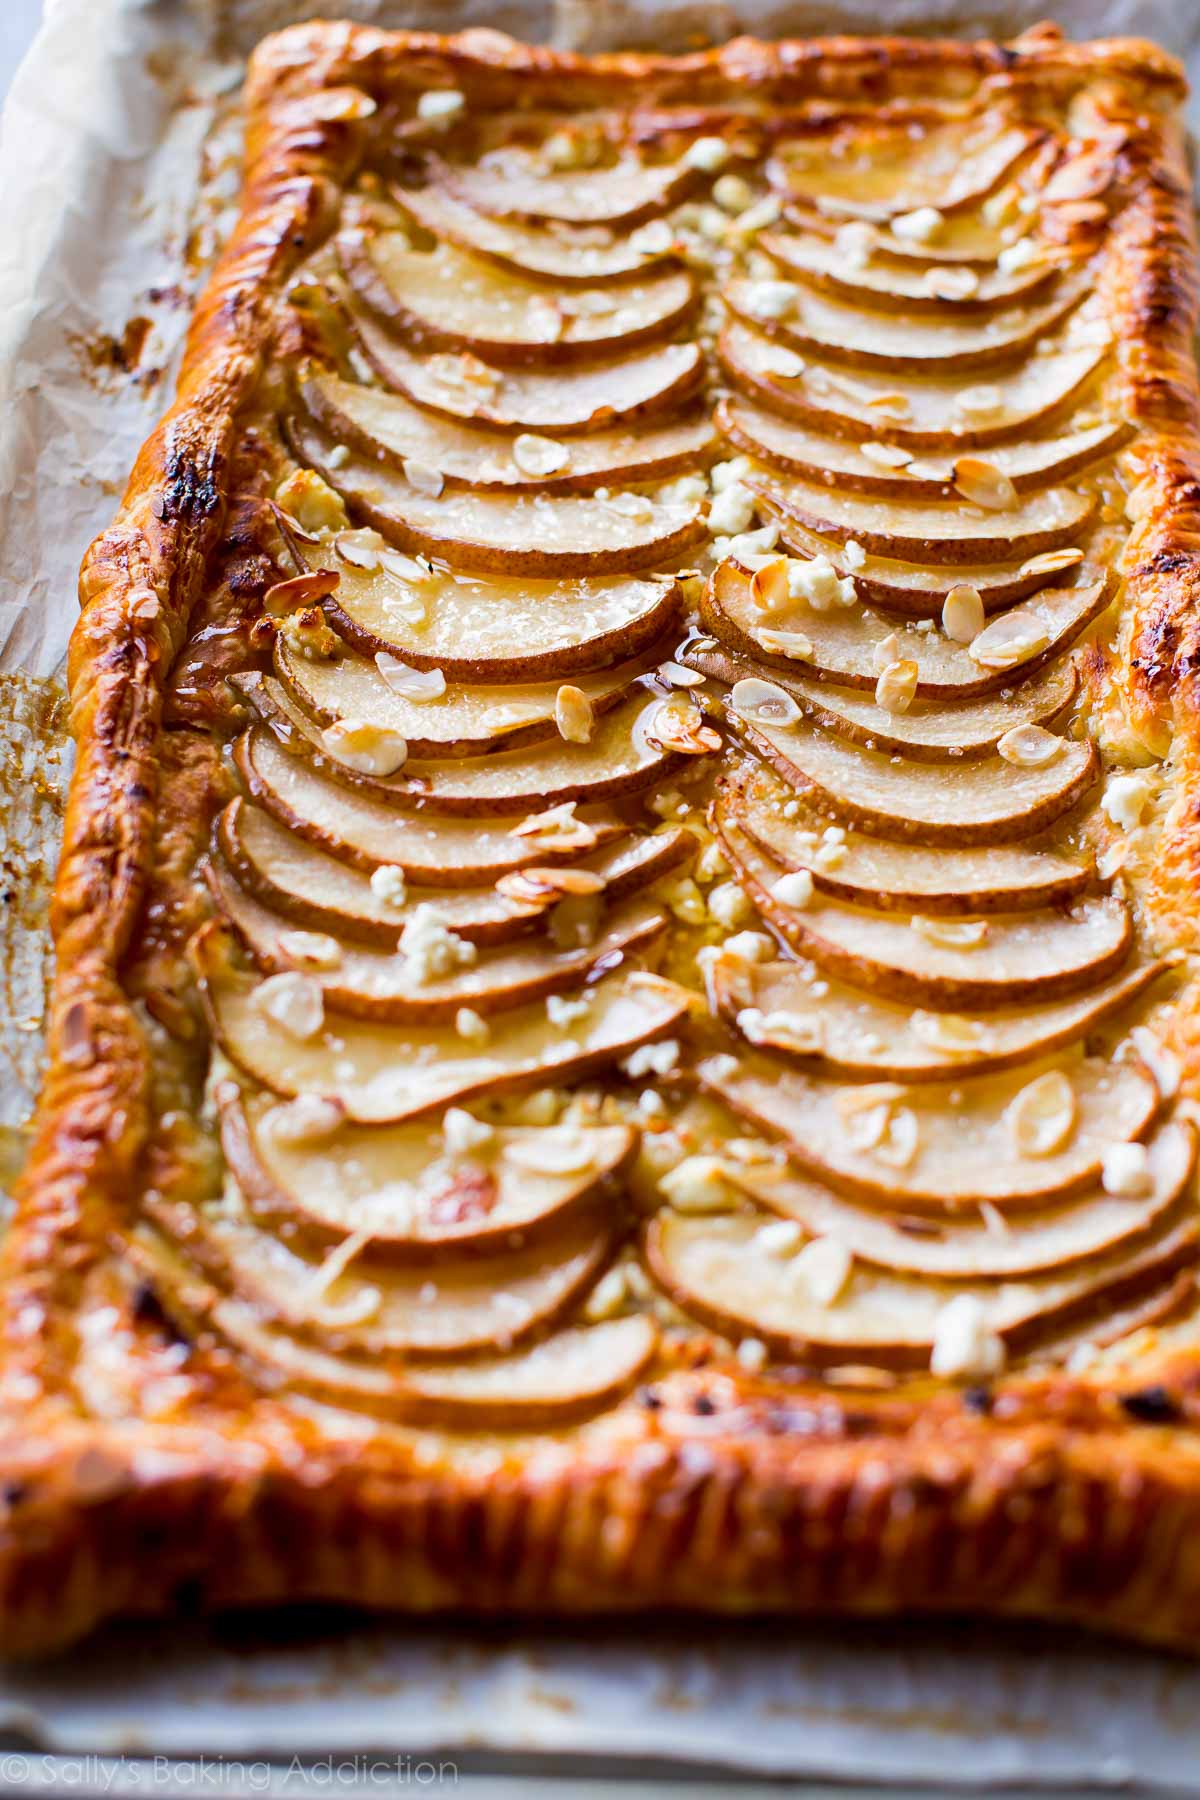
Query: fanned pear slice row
x=559 y=402
x=527 y=534
x=388 y=986
x=965 y=1152
x=882 y=170
x=838 y=1029
x=556 y=254
x=393 y=431
x=937 y=531
x=621 y=757
x=842 y=464
x=921 y=411
x=381 y=1074
x=928 y=732
x=891 y=285
x=318 y=892
x=966 y=239
x=986 y=801
x=503 y=628
x=1008 y=958
x=369 y=834
x=841 y=643
x=721 y=1271
x=382 y=1308
x=843 y=332
x=972 y=1249
x=443 y=299
x=514 y=183
x=400 y=1185
x=573 y=1371
x=878 y=873
x=462 y=721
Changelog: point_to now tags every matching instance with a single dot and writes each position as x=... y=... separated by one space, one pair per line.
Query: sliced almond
x=294 y=1002
x=785 y=643
x=896 y=687
x=543 y=887
x=984 y=484
x=951 y=934
x=887 y=456
x=1029 y=746
x=537 y=455
x=963 y=617
x=769 y=587
x=1008 y=640
x=886 y=652
x=679 y=726
x=368 y=749
x=763 y=702
x=950 y=1033
x=557 y=828
x=1051 y=562
x=419 y=685
x=1041 y=1117
x=311 y=949
x=359 y=548
x=423 y=476
x=574 y=715
x=951 y=283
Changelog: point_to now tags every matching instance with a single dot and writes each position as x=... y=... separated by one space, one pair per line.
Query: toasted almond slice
x=962 y=614
x=1041 y=1118
x=984 y=484
x=1029 y=746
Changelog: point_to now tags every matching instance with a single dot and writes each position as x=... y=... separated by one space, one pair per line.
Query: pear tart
x=625 y=927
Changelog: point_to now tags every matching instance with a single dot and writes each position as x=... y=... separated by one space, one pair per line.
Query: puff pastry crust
x=813 y=1226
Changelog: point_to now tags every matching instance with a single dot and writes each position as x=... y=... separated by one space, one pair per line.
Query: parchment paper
x=117 y=179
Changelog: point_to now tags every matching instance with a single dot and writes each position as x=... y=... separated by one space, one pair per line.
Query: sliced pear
x=888 y=284
x=444 y=299
x=964 y=1149
x=722 y=1271
x=842 y=464
x=927 y=732
x=502 y=628
x=623 y=756
x=462 y=721
x=880 y=170
x=384 y=1308
x=399 y=1184
x=880 y=341
x=987 y=801
x=381 y=1074
x=514 y=183
x=319 y=892
x=965 y=238
x=386 y=985
x=923 y=411
x=534 y=534
x=393 y=431
x=431 y=852
x=939 y=531
x=972 y=1249
x=560 y=402
x=943 y=963
x=562 y=254
x=877 y=873
x=843 y=642
x=782 y=1008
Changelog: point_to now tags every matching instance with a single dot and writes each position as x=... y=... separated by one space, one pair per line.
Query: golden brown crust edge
x=1058 y=1498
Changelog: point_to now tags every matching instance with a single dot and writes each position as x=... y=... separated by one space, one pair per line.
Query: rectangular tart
x=626 y=1030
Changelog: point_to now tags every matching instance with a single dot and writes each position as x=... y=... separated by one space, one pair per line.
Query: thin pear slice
x=783 y=1008
x=321 y=893
x=558 y=402
x=393 y=431
x=400 y=1185
x=575 y=257
x=381 y=1074
x=965 y=1152
x=529 y=534
x=726 y=1272
x=918 y=410
x=1005 y=959
x=842 y=464
x=623 y=756
x=889 y=876
x=919 y=590
x=973 y=1249
x=501 y=628
x=985 y=801
x=369 y=834
x=879 y=341
x=888 y=284
x=446 y=300
x=384 y=1308
x=937 y=531
x=927 y=732
x=842 y=643
x=462 y=721
x=966 y=239
x=881 y=170
x=515 y=183
x=387 y=985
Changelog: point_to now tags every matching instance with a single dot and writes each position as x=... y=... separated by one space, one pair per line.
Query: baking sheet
x=117 y=179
